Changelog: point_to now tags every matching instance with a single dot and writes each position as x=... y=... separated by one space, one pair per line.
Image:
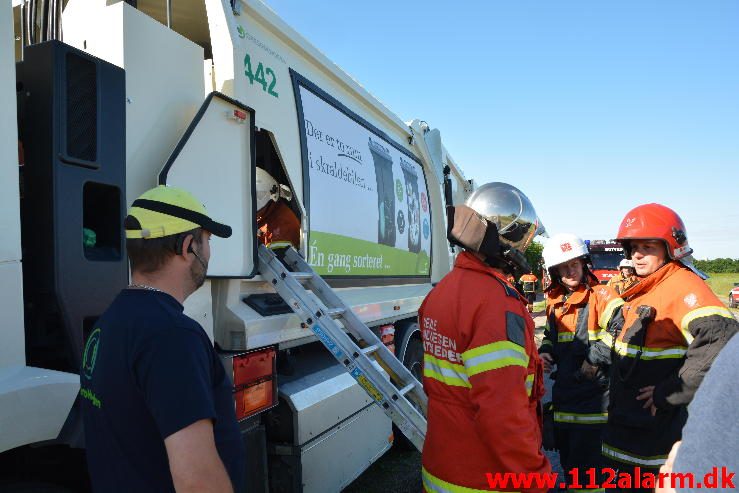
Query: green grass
x=539 y=306
x=721 y=284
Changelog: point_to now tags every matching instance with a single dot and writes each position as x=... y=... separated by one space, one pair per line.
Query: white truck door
x=214 y=160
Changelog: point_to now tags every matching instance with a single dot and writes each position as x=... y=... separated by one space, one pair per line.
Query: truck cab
x=605 y=255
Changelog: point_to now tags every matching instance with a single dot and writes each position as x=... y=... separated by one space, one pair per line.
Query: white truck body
x=167 y=74
x=27 y=394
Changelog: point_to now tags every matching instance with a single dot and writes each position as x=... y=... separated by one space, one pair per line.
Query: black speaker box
x=72 y=126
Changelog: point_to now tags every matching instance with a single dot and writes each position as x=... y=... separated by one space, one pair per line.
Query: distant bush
x=719 y=265
x=533 y=256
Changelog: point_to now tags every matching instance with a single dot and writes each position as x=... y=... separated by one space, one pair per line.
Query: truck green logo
x=241 y=31
x=89 y=357
x=399 y=190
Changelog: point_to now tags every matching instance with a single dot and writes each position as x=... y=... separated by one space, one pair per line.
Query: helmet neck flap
x=470 y=230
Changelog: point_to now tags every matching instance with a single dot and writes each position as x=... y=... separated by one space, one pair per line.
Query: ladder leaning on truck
x=198 y=94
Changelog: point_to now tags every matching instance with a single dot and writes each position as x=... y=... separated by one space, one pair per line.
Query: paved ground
x=399 y=471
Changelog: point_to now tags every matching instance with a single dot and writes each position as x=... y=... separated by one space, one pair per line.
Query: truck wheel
x=732 y=301
x=413 y=360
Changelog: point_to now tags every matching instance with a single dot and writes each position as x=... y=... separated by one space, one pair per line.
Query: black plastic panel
x=267 y=304
x=73 y=130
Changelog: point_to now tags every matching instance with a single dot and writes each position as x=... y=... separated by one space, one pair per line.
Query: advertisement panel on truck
x=366 y=195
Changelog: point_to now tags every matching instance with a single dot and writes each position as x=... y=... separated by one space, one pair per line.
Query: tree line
x=719 y=265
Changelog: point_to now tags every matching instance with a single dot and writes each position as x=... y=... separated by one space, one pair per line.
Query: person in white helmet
x=578 y=310
x=625 y=278
x=277 y=224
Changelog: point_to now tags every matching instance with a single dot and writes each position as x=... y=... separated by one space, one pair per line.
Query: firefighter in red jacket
x=481 y=370
x=578 y=310
x=673 y=329
x=277 y=224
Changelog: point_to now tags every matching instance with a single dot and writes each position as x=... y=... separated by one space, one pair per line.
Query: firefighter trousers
x=636 y=453
x=580 y=453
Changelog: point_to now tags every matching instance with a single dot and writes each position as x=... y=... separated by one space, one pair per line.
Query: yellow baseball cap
x=165 y=211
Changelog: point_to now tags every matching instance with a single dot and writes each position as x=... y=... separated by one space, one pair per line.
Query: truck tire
x=413 y=360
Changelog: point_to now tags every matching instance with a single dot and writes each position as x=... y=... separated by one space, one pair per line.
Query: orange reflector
x=255 y=388
x=254 y=399
x=251 y=367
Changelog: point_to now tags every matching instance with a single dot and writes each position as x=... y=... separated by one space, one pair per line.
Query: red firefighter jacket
x=278 y=225
x=671 y=352
x=484 y=381
x=575 y=322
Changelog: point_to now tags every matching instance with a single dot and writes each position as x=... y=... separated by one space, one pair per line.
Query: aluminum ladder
x=402 y=397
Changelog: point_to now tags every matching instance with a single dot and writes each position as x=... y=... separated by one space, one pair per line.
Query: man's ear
x=184 y=245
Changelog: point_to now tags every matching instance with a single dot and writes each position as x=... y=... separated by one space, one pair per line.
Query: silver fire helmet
x=510 y=210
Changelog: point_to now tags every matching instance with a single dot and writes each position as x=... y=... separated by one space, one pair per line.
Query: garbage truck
x=115 y=97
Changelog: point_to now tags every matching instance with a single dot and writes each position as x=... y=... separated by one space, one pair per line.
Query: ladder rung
x=335 y=312
x=407 y=388
x=301 y=276
x=371 y=349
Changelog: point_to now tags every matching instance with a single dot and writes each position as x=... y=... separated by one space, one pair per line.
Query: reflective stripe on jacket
x=483 y=379
x=528 y=283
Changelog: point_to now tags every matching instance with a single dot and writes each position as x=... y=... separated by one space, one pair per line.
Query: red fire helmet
x=655 y=222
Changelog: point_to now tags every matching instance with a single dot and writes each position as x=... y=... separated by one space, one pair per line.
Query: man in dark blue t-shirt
x=157 y=405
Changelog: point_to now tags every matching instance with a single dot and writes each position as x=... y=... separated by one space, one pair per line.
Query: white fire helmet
x=269 y=189
x=626 y=263
x=510 y=210
x=562 y=248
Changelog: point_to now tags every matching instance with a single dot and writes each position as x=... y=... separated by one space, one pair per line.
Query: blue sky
x=590 y=108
